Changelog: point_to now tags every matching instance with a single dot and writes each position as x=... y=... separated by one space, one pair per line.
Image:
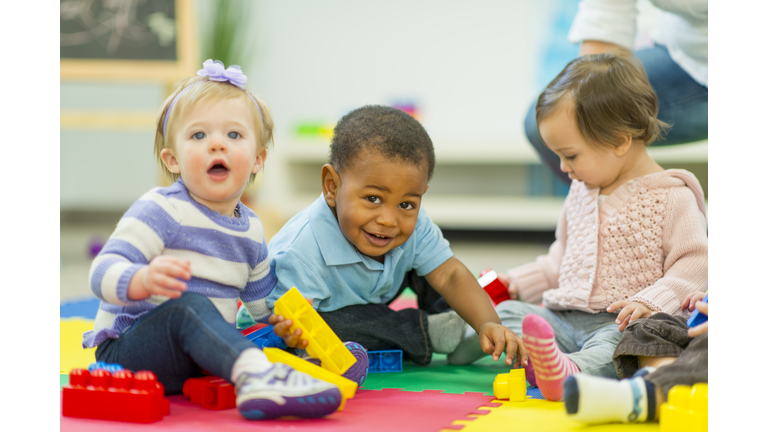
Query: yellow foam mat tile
x=71 y=352
x=539 y=416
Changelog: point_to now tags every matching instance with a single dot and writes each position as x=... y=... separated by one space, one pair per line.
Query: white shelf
x=500 y=152
x=481 y=211
x=474 y=212
x=494 y=212
x=697 y=152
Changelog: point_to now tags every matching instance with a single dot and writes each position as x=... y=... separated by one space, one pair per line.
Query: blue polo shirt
x=311 y=253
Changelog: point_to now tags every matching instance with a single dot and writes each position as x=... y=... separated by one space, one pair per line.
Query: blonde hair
x=612 y=97
x=206 y=92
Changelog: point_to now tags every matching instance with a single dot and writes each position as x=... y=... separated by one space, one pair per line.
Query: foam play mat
x=437 y=397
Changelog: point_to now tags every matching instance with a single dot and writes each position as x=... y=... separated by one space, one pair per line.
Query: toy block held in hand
x=323 y=342
x=697 y=317
x=686 y=409
x=122 y=396
x=347 y=387
x=385 y=361
x=493 y=287
x=510 y=386
x=210 y=392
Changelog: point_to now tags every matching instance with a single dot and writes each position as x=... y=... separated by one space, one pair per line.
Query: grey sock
x=468 y=349
x=445 y=331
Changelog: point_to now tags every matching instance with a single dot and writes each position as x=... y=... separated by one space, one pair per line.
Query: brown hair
x=208 y=91
x=612 y=97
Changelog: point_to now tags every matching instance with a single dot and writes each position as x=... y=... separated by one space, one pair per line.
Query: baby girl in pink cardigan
x=631 y=238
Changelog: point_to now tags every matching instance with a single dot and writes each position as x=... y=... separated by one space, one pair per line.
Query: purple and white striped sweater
x=228 y=257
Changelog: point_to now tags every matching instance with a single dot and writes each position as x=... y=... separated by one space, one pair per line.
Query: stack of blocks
x=122 y=396
x=210 y=392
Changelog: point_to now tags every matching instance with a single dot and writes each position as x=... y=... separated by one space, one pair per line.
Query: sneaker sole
x=312 y=406
x=358 y=372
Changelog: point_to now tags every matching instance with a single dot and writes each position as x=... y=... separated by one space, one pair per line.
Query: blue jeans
x=683 y=104
x=377 y=327
x=587 y=339
x=176 y=340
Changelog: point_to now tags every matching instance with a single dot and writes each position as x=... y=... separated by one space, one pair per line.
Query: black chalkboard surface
x=118 y=30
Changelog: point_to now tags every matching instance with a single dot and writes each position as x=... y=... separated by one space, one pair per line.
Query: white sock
x=445 y=331
x=592 y=399
x=250 y=360
x=468 y=350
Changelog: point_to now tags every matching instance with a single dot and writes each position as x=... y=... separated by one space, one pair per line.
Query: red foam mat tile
x=370 y=410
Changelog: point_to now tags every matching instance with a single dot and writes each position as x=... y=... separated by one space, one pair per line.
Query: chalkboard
x=125 y=39
x=127 y=29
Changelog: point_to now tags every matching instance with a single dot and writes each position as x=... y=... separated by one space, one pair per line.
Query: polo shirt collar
x=334 y=247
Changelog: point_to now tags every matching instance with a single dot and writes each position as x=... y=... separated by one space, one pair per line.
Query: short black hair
x=387 y=130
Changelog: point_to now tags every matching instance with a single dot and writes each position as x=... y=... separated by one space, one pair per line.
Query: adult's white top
x=681 y=25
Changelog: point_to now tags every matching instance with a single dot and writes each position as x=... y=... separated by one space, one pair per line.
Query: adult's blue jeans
x=176 y=340
x=683 y=103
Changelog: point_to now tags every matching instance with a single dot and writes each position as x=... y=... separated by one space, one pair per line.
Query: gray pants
x=587 y=339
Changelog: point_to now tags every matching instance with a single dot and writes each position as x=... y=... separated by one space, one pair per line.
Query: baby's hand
x=630 y=311
x=282 y=328
x=703 y=327
x=504 y=279
x=691 y=300
x=160 y=277
x=494 y=337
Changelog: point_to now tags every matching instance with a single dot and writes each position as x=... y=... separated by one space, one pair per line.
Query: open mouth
x=218 y=170
x=379 y=240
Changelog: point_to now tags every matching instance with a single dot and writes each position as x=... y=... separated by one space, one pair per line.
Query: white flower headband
x=215 y=71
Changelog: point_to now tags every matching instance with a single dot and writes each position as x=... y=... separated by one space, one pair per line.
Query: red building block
x=252 y=329
x=493 y=287
x=124 y=396
x=210 y=392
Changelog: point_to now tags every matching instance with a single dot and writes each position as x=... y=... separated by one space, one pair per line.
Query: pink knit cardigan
x=647 y=243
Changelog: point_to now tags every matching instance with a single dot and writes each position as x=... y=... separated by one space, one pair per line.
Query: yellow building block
x=323 y=342
x=686 y=409
x=347 y=387
x=511 y=386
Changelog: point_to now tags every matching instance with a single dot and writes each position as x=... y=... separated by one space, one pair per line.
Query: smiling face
x=216 y=150
x=376 y=201
x=596 y=167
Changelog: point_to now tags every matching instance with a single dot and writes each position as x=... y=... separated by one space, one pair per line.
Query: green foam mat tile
x=439 y=375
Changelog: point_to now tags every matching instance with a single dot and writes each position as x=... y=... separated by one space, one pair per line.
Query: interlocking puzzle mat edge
x=534 y=415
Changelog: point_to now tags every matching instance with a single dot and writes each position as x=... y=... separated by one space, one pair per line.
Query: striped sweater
x=228 y=258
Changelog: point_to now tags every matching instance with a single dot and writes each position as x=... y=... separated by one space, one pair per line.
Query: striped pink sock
x=551 y=365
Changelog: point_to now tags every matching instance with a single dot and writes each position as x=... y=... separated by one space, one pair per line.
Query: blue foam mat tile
x=534 y=393
x=83 y=308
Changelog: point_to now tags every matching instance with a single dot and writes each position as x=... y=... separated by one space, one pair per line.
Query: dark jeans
x=683 y=104
x=377 y=327
x=176 y=340
x=662 y=335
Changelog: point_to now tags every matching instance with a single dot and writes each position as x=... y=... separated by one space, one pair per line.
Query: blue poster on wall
x=557 y=50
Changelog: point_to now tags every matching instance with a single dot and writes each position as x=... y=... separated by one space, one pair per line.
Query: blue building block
x=697 y=317
x=109 y=367
x=385 y=361
x=266 y=338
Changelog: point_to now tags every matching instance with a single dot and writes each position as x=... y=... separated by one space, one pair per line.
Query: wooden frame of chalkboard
x=100 y=28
